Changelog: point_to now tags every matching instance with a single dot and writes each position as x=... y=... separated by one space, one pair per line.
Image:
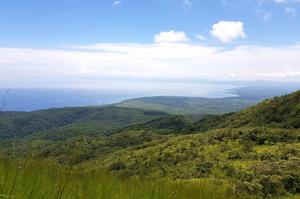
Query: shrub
x=116 y=166
x=235 y=155
x=292 y=183
x=272 y=185
x=204 y=168
x=228 y=169
x=247 y=146
x=252 y=188
x=267 y=156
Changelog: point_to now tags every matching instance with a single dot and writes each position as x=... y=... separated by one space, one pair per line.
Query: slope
x=255 y=150
x=84 y=120
x=189 y=105
x=283 y=112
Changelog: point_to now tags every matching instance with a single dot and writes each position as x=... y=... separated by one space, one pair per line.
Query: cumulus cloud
x=171 y=36
x=227 y=31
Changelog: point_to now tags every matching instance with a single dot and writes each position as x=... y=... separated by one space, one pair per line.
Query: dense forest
x=253 y=153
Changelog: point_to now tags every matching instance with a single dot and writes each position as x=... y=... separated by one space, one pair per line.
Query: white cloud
x=115 y=3
x=164 y=61
x=167 y=59
x=200 y=37
x=288 y=74
x=171 y=36
x=227 y=31
x=187 y=3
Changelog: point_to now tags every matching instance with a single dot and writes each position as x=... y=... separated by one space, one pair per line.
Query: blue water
x=34 y=99
x=28 y=99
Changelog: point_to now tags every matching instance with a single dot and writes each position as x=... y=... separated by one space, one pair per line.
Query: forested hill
x=283 y=112
x=254 y=151
x=190 y=105
x=242 y=97
x=278 y=112
x=67 y=122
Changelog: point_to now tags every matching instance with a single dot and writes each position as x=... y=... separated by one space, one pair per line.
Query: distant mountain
x=190 y=105
x=246 y=96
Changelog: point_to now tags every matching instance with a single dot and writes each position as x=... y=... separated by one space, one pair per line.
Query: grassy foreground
x=32 y=179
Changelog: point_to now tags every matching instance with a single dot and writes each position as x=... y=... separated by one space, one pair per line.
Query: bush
x=204 y=168
x=235 y=155
x=288 y=152
x=267 y=156
x=116 y=166
x=292 y=183
x=272 y=185
x=247 y=146
x=228 y=169
x=252 y=188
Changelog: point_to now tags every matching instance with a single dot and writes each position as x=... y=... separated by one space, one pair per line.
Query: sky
x=81 y=43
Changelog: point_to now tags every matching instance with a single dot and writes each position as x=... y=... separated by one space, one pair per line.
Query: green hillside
x=283 y=112
x=254 y=153
x=68 y=122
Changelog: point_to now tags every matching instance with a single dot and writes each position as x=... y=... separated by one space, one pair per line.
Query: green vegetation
x=58 y=124
x=190 y=105
x=254 y=153
x=36 y=180
x=283 y=112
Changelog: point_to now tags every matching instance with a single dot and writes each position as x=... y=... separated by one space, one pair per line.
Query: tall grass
x=48 y=180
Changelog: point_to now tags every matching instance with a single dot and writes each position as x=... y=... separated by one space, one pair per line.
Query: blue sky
x=157 y=39
x=35 y=23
